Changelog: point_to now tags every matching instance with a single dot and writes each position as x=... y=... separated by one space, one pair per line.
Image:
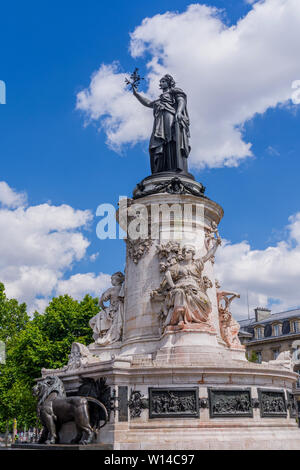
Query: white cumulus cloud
x=38 y=246
x=230 y=74
x=271 y=276
x=123 y=120
x=79 y=285
x=11 y=198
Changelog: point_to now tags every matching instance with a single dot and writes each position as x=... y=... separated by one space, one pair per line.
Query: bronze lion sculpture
x=55 y=409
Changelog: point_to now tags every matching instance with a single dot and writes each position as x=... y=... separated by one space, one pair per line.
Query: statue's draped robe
x=188 y=299
x=114 y=332
x=106 y=320
x=163 y=141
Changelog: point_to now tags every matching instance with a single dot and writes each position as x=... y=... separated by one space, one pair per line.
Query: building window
x=298 y=380
x=295 y=326
x=295 y=354
x=259 y=333
x=275 y=353
x=276 y=329
x=259 y=356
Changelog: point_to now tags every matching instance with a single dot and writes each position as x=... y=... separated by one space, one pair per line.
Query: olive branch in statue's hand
x=134 y=81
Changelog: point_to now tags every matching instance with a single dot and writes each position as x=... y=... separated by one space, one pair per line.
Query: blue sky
x=49 y=52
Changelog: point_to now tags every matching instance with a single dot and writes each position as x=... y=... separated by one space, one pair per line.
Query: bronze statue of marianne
x=169 y=143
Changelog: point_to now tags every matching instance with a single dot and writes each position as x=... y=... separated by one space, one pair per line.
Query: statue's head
x=188 y=252
x=117 y=278
x=167 y=81
x=48 y=385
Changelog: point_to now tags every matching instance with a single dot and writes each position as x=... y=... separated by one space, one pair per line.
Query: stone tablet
x=230 y=403
x=272 y=403
x=174 y=402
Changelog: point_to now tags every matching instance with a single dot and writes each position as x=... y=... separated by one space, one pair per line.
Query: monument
x=166 y=350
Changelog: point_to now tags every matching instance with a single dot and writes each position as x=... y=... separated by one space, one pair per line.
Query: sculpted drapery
x=108 y=323
x=183 y=290
x=169 y=143
x=187 y=298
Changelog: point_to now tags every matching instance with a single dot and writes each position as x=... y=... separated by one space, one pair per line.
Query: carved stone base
x=105 y=353
x=170 y=183
x=55 y=447
x=190 y=436
x=188 y=345
x=238 y=348
x=191 y=327
x=225 y=403
x=182 y=388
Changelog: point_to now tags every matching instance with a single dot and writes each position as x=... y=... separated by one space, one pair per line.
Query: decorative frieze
x=174 y=402
x=137 y=248
x=173 y=185
x=230 y=403
x=137 y=403
x=272 y=403
x=222 y=403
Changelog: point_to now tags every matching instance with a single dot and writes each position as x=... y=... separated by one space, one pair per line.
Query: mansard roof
x=287 y=315
x=248 y=326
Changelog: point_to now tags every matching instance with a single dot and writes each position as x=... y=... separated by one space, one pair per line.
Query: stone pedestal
x=181 y=385
x=188 y=223
x=132 y=426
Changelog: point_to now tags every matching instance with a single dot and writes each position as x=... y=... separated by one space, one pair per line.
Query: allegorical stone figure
x=169 y=145
x=184 y=288
x=229 y=327
x=108 y=323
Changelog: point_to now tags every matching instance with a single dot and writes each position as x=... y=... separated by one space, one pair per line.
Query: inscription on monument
x=272 y=403
x=230 y=403
x=174 y=402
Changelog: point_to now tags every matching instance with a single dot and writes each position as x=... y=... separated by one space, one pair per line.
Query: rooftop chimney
x=261 y=313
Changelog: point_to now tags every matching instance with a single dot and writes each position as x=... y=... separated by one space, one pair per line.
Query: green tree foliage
x=13 y=317
x=253 y=357
x=31 y=344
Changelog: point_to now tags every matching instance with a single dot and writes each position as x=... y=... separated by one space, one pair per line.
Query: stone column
x=191 y=218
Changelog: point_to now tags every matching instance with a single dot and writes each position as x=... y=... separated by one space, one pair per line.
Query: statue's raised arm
x=211 y=253
x=142 y=99
x=169 y=145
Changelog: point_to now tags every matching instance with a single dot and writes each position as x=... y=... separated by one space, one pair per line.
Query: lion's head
x=48 y=385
